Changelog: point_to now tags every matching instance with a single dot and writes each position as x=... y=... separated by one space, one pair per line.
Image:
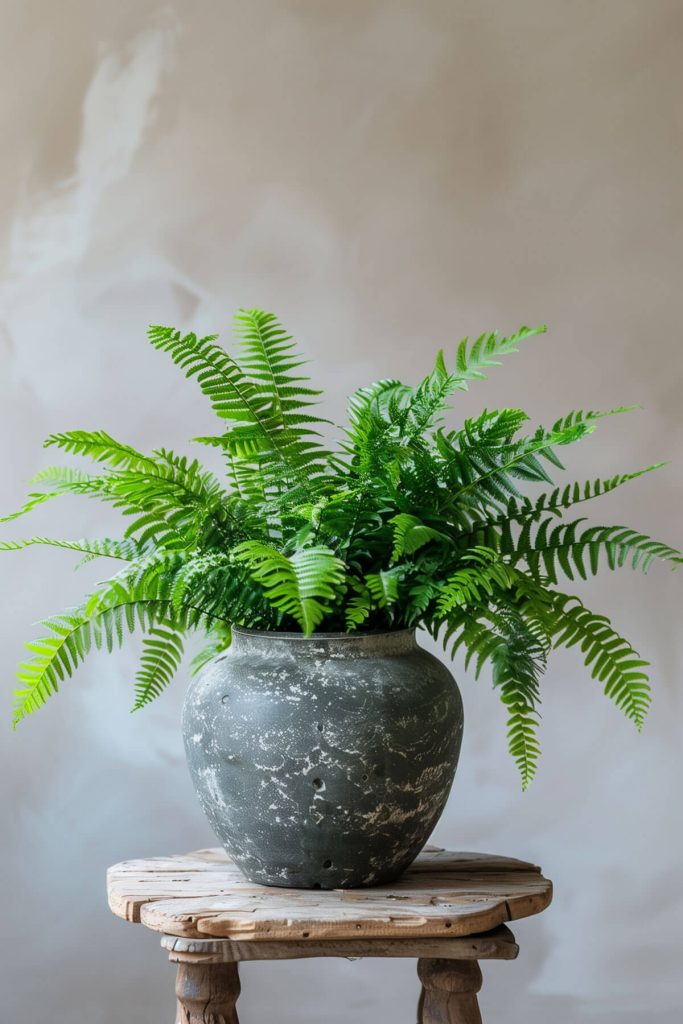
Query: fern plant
x=402 y=523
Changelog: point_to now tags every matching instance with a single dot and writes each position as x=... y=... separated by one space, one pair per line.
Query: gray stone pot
x=323 y=762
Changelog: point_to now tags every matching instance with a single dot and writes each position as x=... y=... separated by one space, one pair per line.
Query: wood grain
x=496 y=945
x=449 y=992
x=207 y=993
x=442 y=895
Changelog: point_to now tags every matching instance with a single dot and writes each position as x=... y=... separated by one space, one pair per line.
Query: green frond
x=125 y=550
x=262 y=399
x=352 y=524
x=193 y=569
x=561 y=498
x=269 y=355
x=300 y=585
x=518 y=663
x=410 y=534
x=67 y=482
x=475 y=583
x=494 y=428
x=501 y=635
x=65 y=476
x=383 y=585
x=57 y=655
x=389 y=411
x=467 y=629
x=162 y=652
x=100 y=447
x=373 y=444
x=473 y=358
x=421 y=594
x=407 y=522
x=154 y=569
x=579 y=417
x=491 y=471
x=222 y=639
x=369 y=405
x=103 y=621
x=611 y=659
x=522 y=738
x=218 y=375
x=358 y=609
x=553 y=549
x=175 y=502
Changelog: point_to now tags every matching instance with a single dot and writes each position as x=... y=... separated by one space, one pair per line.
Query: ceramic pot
x=323 y=762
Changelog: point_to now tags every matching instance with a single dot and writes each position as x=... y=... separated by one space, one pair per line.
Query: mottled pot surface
x=323 y=762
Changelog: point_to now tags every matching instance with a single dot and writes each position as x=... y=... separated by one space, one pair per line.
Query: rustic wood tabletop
x=448 y=910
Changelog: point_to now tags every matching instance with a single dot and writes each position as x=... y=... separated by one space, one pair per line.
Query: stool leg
x=207 y=993
x=449 y=991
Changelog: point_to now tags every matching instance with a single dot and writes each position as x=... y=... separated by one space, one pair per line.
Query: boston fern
x=404 y=523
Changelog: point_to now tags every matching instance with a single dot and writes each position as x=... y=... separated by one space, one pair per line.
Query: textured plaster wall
x=388 y=176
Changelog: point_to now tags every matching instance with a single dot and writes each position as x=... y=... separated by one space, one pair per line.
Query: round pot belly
x=323 y=762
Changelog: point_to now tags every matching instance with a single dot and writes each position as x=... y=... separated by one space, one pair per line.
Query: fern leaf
x=268 y=355
x=174 y=502
x=57 y=655
x=118 y=607
x=373 y=444
x=467 y=628
x=358 y=610
x=67 y=482
x=494 y=428
x=501 y=635
x=410 y=534
x=100 y=446
x=520 y=459
x=64 y=476
x=474 y=584
x=472 y=359
x=561 y=498
x=125 y=550
x=383 y=585
x=265 y=405
x=191 y=569
x=420 y=597
x=522 y=739
x=611 y=659
x=298 y=585
x=391 y=407
x=518 y=662
x=222 y=639
x=479 y=474
x=162 y=653
x=561 y=548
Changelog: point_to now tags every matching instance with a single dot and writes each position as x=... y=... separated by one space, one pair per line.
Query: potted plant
x=321 y=738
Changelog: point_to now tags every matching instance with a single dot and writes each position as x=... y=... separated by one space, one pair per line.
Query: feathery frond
x=554 y=549
x=299 y=585
x=406 y=521
x=99 y=446
x=610 y=658
x=162 y=653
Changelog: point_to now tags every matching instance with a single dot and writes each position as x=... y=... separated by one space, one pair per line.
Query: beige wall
x=388 y=176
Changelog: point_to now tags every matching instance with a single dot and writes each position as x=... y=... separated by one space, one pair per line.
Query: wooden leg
x=207 y=993
x=420 y=1006
x=449 y=991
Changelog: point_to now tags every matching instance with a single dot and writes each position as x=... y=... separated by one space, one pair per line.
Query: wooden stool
x=447 y=911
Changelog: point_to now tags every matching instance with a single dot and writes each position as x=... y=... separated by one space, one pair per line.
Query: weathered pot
x=323 y=762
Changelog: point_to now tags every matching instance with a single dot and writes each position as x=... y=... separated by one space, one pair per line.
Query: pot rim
x=291 y=635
